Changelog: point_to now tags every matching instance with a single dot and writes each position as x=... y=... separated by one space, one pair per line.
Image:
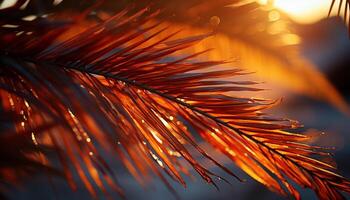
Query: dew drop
x=29 y=18
x=56 y=2
x=7 y=3
x=34 y=139
x=274 y=16
x=214 y=21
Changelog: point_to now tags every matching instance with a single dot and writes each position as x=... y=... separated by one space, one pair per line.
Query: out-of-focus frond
x=112 y=88
x=343 y=5
x=300 y=76
x=21 y=156
x=262 y=39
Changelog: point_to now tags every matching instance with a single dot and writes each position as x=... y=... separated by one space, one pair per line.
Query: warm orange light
x=302 y=11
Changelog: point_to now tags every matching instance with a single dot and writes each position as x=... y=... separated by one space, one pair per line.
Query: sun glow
x=302 y=11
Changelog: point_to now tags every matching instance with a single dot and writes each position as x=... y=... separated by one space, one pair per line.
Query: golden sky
x=302 y=11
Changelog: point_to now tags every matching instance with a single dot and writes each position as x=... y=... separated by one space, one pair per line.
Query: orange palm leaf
x=109 y=93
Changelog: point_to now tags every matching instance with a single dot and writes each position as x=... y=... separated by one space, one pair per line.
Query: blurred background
x=291 y=46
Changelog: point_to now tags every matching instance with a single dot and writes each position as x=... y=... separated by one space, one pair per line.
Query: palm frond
x=343 y=6
x=21 y=157
x=110 y=92
x=247 y=32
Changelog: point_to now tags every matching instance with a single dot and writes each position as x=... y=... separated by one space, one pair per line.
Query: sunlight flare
x=302 y=11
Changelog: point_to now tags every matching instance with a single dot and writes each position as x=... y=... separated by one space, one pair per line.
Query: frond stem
x=174 y=99
x=191 y=107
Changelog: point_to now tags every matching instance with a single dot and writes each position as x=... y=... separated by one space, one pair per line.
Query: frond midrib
x=192 y=108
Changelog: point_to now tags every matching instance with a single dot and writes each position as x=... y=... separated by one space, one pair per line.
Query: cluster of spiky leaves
x=106 y=93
